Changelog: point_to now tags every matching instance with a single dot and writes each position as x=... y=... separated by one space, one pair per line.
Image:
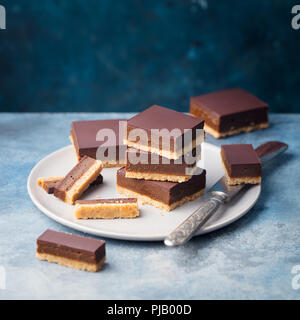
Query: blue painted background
x=104 y=55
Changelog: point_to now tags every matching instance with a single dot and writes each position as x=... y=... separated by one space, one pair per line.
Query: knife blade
x=219 y=194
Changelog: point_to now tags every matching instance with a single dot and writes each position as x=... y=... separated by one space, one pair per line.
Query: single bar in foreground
x=78 y=180
x=164 y=195
x=155 y=167
x=70 y=250
x=166 y=132
x=85 y=141
x=49 y=183
x=230 y=112
x=106 y=208
x=241 y=164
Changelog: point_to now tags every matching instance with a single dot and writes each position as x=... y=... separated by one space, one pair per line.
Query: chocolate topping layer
x=71 y=246
x=166 y=192
x=156 y=117
x=241 y=160
x=84 y=135
x=228 y=109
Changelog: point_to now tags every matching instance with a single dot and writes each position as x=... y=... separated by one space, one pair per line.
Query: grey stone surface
x=250 y=259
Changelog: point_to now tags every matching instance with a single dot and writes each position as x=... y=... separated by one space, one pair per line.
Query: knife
x=219 y=194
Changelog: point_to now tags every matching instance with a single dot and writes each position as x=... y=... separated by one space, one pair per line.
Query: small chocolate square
x=241 y=161
x=230 y=112
x=84 y=139
x=179 y=125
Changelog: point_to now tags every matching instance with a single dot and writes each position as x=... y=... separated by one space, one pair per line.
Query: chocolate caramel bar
x=86 y=142
x=241 y=164
x=165 y=132
x=164 y=195
x=49 y=183
x=230 y=112
x=106 y=208
x=148 y=166
x=70 y=250
x=71 y=187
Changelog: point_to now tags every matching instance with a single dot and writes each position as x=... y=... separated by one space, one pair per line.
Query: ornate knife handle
x=184 y=232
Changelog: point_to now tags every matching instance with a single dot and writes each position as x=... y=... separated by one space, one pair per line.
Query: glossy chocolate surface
x=163 y=191
x=71 y=246
x=157 y=117
x=229 y=109
x=84 y=134
x=241 y=160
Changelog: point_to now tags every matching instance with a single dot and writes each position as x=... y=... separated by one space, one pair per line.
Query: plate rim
x=118 y=235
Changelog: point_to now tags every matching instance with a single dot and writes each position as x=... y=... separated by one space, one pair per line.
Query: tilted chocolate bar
x=71 y=187
x=148 y=166
x=230 y=112
x=70 y=250
x=168 y=133
x=106 y=208
x=110 y=152
x=49 y=183
x=241 y=164
x=164 y=195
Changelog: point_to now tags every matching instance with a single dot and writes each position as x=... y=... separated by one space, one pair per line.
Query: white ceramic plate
x=153 y=223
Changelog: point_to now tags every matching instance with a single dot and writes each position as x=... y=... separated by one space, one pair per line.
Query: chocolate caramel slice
x=165 y=132
x=106 y=208
x=70 y=250
x=230 y=112
x=148 y=166
x=71 y=187
x=49 y=183
x=87 y=141
x=162 y=194
x=241 y=164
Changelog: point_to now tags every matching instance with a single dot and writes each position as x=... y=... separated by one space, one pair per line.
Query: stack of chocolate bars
x=163 y=147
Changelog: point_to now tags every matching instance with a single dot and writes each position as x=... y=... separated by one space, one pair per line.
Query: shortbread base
x=163 y=206
x=106 y=211
x=174 y=155
x=156 y=176
x=242 y=180
x=232 y=181
x=218 y=134
x=112 y=165
x=75 y=264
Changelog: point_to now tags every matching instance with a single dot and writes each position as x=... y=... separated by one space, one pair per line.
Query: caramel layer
x=75 y=264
